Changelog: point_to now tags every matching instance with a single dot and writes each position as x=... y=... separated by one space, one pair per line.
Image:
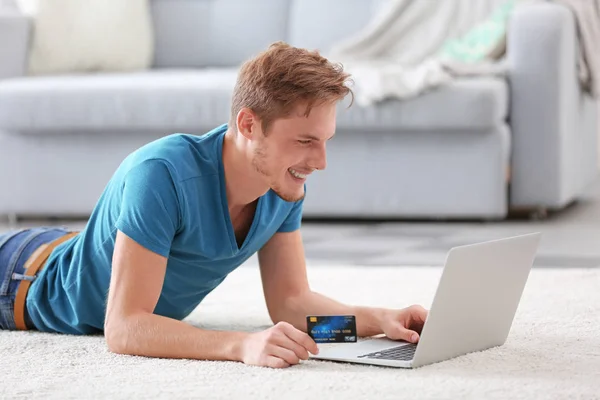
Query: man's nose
x=319 y=159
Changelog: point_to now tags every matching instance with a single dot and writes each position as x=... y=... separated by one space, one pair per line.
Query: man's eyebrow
x=313 y=137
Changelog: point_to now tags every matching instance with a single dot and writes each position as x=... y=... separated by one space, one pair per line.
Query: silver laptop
x=472 y=310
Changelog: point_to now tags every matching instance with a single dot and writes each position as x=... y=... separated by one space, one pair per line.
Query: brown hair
x=274 y=82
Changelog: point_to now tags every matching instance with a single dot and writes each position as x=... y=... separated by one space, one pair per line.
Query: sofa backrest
x=221 y=33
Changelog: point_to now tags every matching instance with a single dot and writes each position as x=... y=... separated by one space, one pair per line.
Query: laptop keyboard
x=404 y=352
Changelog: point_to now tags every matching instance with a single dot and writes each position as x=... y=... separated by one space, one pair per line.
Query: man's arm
x=132 y=328
x=287 y=292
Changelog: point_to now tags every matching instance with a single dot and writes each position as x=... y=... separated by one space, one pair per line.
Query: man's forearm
x=297 y=308
x=153 y=335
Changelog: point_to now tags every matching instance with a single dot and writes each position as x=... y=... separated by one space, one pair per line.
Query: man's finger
x=285 y=354
x=418 y=313
x=400 y=332
x=276 y=362
x=301 y=338
x=285 y=341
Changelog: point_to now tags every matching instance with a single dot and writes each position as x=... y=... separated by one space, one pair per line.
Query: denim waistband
x=16 y=247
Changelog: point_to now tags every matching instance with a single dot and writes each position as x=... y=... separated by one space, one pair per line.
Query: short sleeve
x=149 y=207
x=294 y=218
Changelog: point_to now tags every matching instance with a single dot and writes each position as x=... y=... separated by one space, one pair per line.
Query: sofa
x=478 y=148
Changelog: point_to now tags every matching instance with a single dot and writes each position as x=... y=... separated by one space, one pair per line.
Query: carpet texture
x=553 y=351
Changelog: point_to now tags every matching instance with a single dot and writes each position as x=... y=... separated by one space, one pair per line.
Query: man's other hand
x=405 y=324
x=278 y=347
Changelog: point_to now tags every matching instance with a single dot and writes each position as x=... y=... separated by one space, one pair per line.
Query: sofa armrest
x=15 y=29
x=549 y=113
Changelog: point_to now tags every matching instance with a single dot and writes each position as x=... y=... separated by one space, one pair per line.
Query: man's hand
x=277 y=347
x=405 y=324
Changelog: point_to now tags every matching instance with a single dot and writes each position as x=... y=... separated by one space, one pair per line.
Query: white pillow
x=89 y=35
x=6 y=5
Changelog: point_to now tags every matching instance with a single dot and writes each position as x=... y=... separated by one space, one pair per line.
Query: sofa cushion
x=465 y=104
x=69 y=38
x=188 y=100
x=152 y=100
x=208 y=33
x=335 y=21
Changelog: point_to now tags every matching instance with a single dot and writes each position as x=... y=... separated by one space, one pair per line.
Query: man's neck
x=243 y=185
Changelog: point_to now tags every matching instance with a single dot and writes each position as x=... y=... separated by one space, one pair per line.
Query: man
x=183 y=212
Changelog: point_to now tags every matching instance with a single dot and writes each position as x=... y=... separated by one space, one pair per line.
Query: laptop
x=473 y=308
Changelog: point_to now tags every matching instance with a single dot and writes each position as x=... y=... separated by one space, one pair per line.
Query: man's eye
x=304 y=141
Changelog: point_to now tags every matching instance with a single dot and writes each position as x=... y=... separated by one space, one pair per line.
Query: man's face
x=293 y=148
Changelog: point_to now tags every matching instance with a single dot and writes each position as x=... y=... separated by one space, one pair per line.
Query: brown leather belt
x=34 y=264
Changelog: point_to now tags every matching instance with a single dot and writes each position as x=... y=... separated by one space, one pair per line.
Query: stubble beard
x=259 y=162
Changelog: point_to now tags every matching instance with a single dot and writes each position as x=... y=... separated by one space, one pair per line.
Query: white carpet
x=553 y=350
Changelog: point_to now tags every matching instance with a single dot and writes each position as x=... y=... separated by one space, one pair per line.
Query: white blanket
x=399 y=53
x=587 y=14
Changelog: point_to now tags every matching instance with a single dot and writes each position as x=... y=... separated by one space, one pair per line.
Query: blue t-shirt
x=169 y=196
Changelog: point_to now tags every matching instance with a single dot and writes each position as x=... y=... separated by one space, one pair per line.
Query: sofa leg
x=538 y=214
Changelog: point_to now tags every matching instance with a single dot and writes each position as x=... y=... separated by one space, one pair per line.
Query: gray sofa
x=478 y=148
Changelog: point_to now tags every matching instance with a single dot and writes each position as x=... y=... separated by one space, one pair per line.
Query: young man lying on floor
x=181 y=213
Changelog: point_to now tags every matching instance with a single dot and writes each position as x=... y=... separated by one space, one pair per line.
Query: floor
x=571 y=238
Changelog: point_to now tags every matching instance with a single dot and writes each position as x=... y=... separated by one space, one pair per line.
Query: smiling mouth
x=297 y=174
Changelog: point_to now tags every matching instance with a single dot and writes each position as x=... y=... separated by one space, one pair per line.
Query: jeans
x=15 y=248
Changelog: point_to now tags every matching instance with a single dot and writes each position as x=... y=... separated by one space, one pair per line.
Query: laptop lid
x=477 y=297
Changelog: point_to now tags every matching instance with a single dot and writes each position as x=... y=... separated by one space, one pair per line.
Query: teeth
x=297 y=174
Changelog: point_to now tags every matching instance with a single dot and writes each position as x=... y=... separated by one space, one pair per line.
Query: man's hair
x=277 y=80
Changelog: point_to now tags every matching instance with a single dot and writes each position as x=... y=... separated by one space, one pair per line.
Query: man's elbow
x=276 y=314
x=116 y=335
x=285 y=310
x=282 y=317
x=281 y=311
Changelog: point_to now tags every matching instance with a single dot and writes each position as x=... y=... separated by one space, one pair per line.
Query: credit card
x=332 y=328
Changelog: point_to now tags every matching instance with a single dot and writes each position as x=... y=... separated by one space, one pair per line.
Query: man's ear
x=248 y=123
